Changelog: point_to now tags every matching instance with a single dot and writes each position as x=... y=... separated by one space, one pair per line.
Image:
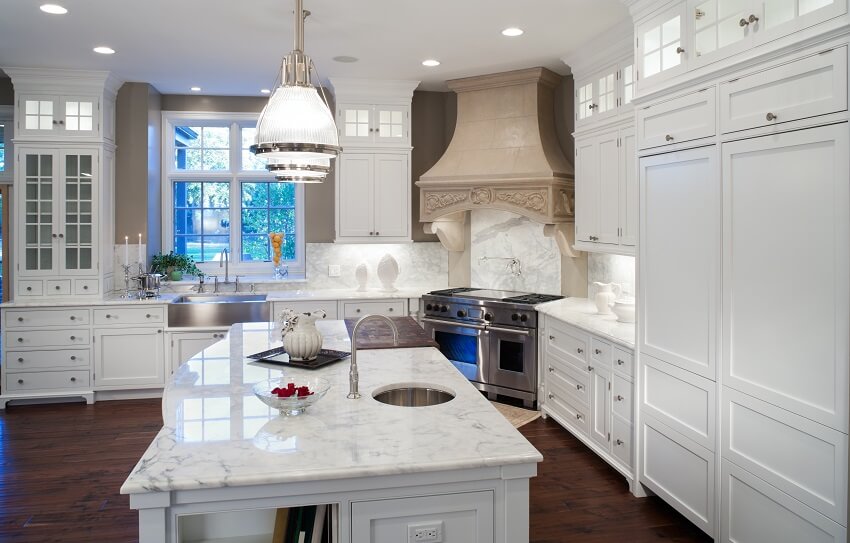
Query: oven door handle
x=509 y=330
x=455 y=323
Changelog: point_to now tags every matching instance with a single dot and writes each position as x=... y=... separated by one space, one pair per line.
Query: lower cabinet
x=589 y=393
x=185 y=345
x=452 y=518
x=306 y=306
x=352 y=309
x=129 y=358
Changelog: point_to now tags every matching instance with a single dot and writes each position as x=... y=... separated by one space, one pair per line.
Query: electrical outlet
x=333 y=270
x=426 y=532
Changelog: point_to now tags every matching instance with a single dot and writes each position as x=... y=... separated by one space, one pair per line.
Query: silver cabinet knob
x=551 y=369
x=619 y=398
x=20 y=319
x=20 y=340
x=579 y=387
x=590 y=368
x=73 y=338
x=580 y=350
x=377 y=233
x=391 y=309
x=21 y=360
x=597 y=351
x=73 y=379
x=73 y=357
x=551 y=338
x=753 y=19
x=73 y=318
x=618 y=442
x=148 y=316
x=159 y=331
x=20 y=381
x=55 y=236
x=593 y=106
x=680 y=50
x=85 y=287
x=58 y=287
x=550 y=396
x=358 y=310
x=743 y=22
x=620 y=362
x=578 y=416
x=668 y=137
x=371 y=233
x=771 y=117
x=108 y=316
x=29 y=289
x=61 y=235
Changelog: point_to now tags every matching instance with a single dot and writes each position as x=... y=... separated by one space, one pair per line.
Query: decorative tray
x=279 y=355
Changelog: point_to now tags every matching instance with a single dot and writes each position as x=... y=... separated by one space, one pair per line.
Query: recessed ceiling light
x=430 y=63
x=266 y=91
x=103 y=50
x=346 y=59
x=512 y=32
x=53 y=9
x=195 y=89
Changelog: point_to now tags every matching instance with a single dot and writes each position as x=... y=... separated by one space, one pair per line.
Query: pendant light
x=296 y=132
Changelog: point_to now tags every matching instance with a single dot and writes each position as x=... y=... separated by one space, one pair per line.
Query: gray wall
x=7 y=94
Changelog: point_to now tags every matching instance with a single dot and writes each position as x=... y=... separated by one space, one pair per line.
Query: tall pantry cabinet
x=64 y=179
x=744 y=266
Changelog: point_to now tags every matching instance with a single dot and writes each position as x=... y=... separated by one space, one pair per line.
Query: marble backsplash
x=499 y=235
x=606 y=268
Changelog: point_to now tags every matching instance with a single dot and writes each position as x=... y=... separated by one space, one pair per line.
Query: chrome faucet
x=353 y=376
x=226 y=263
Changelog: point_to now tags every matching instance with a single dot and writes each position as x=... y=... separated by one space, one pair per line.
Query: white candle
x=141 y=260
x=126 y=250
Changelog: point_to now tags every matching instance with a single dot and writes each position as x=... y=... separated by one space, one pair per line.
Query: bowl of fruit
x=291 y=395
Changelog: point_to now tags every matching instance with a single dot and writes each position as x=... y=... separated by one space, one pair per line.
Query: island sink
x=212 y=310
x=413 y=396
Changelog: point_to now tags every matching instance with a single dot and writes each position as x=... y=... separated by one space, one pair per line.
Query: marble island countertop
x=581 y=312
x=216 y=433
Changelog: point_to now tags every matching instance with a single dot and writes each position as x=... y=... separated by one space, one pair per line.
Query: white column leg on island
x=516 y=511
x=153 y=516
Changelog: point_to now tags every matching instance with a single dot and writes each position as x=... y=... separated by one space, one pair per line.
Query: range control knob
x=488 y=316
x=429 y=307
x=515 y=317
x=461 y=313
x=523 y=318
x=444 y=309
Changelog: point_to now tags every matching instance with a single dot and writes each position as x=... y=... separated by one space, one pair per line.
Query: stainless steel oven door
x=465 y=345
x=513 y=358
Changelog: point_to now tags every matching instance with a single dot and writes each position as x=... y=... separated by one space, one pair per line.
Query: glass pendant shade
x=295 y=126
x=301 y=171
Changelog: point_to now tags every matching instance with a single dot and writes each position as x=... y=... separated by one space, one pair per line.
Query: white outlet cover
x=334 y=270
x=425 y=532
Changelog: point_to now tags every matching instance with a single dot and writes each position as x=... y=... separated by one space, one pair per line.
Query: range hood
x=504 y=155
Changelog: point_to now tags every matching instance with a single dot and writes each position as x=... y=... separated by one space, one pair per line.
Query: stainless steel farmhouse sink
x=209 y=310
x=412 y=396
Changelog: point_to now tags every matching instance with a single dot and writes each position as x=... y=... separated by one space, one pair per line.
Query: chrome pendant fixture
x=296 y=132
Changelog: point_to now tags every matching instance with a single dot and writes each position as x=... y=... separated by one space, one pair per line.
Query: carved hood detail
x=504 y=153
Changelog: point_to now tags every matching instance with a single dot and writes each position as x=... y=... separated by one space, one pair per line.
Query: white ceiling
x=234 y=47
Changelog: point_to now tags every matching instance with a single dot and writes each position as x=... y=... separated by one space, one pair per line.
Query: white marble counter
x=217 y=434
x=581 y=312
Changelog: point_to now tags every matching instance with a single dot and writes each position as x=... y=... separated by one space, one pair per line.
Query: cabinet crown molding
x=372 y=91
x=43 y=80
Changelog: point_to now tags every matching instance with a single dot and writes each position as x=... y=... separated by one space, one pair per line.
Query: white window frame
x=7 y=119
x=170 y=174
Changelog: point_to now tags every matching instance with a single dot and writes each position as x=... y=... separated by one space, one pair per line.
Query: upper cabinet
x=65 y=116
x=689 y=34
x=373 y=124
x=605 y=94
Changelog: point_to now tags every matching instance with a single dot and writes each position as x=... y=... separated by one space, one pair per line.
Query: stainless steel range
x=490 y=336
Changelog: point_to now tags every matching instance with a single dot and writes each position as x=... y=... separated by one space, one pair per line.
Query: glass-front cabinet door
x=780 y=17
x=39 y=203
x=392 y=124
x=661 y=52
x=66 y=115
x=76 y=234
x=720 y=28
x=354 y=123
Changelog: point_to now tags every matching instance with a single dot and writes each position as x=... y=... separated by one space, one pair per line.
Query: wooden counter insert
x=376 y=334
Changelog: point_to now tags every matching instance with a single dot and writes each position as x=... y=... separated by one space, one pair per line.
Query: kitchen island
x=223 y=462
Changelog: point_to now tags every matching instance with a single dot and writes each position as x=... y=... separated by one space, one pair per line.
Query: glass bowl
x=294 y=405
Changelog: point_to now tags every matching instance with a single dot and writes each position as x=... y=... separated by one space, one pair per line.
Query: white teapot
x=605 y=296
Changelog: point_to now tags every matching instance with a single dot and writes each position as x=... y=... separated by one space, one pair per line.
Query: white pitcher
x=605 y=296
x=301 y=339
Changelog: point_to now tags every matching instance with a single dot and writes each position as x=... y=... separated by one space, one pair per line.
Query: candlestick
x=126 y=250
x=141 y=260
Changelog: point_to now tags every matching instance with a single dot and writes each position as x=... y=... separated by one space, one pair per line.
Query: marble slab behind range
x=498 y=233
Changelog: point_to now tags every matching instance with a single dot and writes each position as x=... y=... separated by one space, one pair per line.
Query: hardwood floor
x=61 y=467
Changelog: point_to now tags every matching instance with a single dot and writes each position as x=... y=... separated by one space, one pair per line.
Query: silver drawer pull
x=619 y=398
x=753 y=19
x=20 y=319
x=85 y=287
x=668 y=137
x=29 y=289
x=771 y=117
x=73 y=357
x=579 y=416
x=551 y=397
x=73 y=379
x=108 y=316
x=551 y=369
x=358 y=310
x=58 y=287
x=618 y=442
x=579 y=387
x=597 y=351
x=21 y=360
x=743 y=22
x=20 y=381
x=73 y=318
x=680 y=50
x=20 y=340
x=73 y=338
x=390 y=309
x=620 y=362
x=148 y=316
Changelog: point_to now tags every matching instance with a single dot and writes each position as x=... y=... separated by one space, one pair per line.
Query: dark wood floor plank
x=61 y=467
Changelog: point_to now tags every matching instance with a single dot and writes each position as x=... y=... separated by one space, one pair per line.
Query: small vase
x=301 y=339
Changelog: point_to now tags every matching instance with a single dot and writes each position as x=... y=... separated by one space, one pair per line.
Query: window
x=218 y=195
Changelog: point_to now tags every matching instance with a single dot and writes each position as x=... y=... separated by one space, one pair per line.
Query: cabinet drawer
x=621 y=397
x=685 y=118
x=47 y=380
x=30 y=288
x=624 y=361
x=17 y=361
x=680 y=399
x=328 y=306
x=58 y=287
x=600 y=351
x=86 y=286
x=621 y=441
x=129 y=315
x=567 y=344
x=44 y=338
x=390 y=308
x=568 y=377
x=562 y=404
x=811 y=86
x=46 y=317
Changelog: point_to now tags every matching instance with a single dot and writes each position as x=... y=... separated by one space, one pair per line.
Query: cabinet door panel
x=78 y=227
x=129 y=358
x=661 y=52
x=628 y=188
x=717 y=29
x=781 y=17
x=609 y=189
x=680 y=250
x=587 y=188
x=786 y=335
x=356 y=208
x=685 y=118
x=600 y=406
x=392 y=203
x=37 y=202
x=185 y=345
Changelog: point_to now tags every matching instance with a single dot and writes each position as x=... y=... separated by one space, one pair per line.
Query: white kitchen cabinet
x=352 y=309
x=660 y=42
x=185 y=345
x=58 y=116
x=680 y=253
x=791 y=350
x=373 y=202
x=671 y=121
x=600 y=405
x=129 y=358
x=598 y=96
x=373 y=124
x=606 y=192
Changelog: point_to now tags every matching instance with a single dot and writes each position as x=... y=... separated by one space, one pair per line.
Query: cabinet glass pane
x=390 y=124
x=585 y=101
x=356 y=123
x=808 y=6
x=38 y=218
x=607 y=88
x=661 y=44
x=78 y=217
x=718 y=24
x=38 y=114
x=628 y=84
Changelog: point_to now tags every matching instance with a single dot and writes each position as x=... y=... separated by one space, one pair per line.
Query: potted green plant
x=173 y=265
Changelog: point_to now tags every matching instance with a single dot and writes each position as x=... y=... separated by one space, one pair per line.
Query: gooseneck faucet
x=353 y=376
x=226 y=263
